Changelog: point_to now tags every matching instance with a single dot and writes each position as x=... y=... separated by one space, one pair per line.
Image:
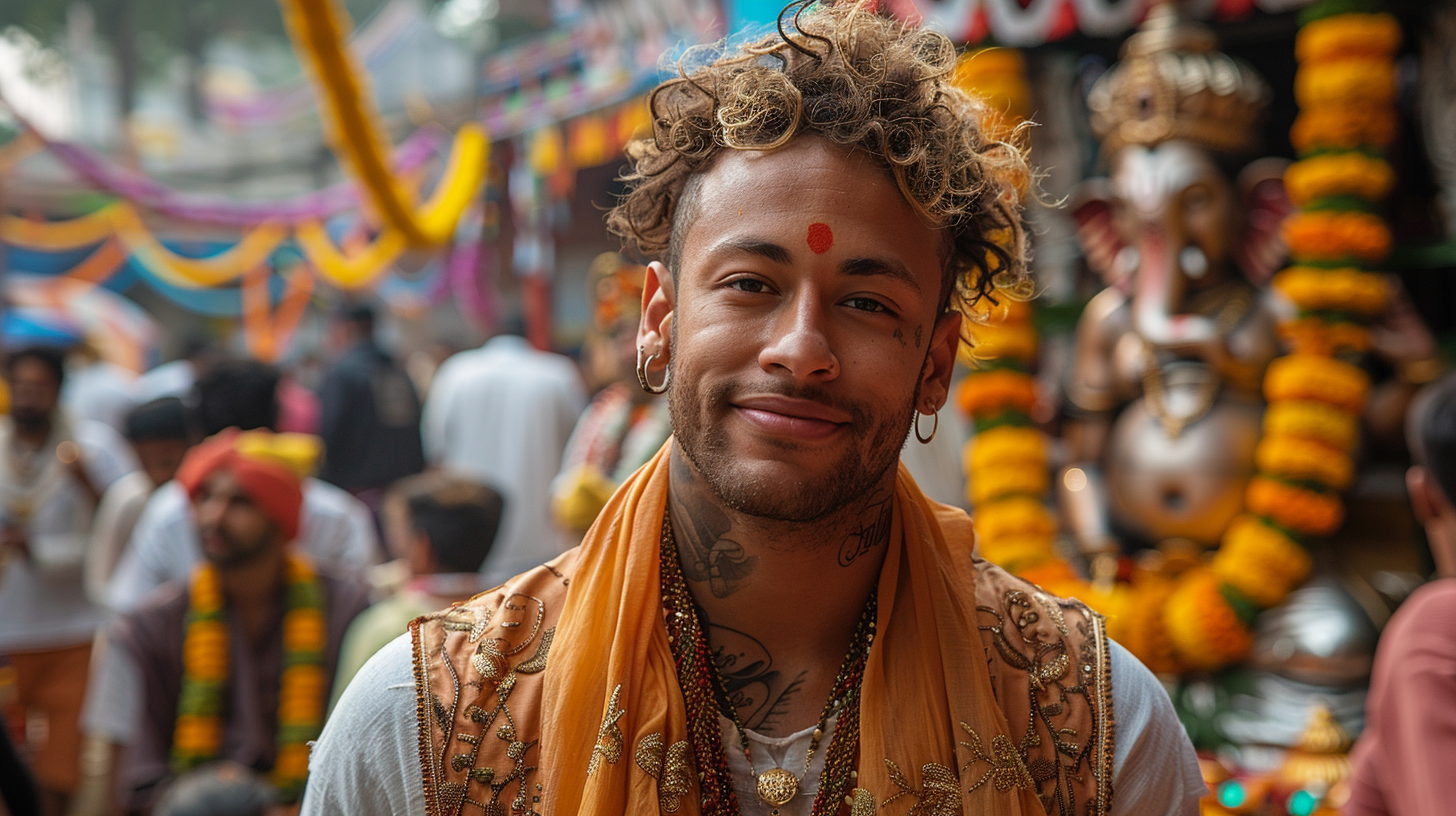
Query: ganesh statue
x=1166 y=409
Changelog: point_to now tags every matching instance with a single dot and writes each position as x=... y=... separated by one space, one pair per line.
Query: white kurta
x=43 y=603
x=336 y=531
x=501 y=414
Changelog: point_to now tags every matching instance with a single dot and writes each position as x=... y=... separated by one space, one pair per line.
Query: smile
x=789 y=417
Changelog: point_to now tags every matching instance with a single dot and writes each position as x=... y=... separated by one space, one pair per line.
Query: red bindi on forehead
x=821 y=238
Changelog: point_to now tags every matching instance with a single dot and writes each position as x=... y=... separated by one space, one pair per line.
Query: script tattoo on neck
x=871 y=530
x=706 y=548
x=756 y=690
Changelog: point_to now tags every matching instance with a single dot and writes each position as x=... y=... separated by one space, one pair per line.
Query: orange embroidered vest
x=479 y=670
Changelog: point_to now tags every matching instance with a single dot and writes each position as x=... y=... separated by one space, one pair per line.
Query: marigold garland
x=1298 y=459
x=1338 y=174
x=1318 y=421
x=1260 y=561
x=1303 y=510
x=1321 y=379
x=1325 y=235
x=1202 y=625
x=1346 y=290
x=303 y=689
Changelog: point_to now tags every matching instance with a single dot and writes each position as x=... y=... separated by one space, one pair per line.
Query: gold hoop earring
x=925 y=440
x=642 y=373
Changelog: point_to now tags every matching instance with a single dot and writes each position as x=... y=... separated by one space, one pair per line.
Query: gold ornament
x=777 y=786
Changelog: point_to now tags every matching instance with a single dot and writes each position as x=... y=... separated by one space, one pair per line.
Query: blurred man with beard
x=233 y=663
x=54 y=470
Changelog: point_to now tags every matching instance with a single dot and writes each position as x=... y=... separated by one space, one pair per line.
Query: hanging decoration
x=266 y=331
x=317 y=28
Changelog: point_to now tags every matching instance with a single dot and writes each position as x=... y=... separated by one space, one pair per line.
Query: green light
x=1302 y=803
x=1231 y=794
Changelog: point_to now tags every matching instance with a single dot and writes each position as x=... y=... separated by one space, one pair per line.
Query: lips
x=791 y=417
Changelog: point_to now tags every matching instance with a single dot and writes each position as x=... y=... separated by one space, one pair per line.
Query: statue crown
x=1174 y=83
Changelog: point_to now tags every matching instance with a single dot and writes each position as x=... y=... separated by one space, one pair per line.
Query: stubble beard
x=850 y=478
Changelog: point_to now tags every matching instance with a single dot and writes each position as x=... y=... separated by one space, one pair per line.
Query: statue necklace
x=706 y=696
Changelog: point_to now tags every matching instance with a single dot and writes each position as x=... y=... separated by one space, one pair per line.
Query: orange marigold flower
x=1206 y=631
x=1295 y=508
x=989 y=393
x=1311 y=377
x=1336 y=236
x=1343 y=127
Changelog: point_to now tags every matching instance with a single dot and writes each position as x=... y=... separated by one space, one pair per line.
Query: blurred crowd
x=194 y=562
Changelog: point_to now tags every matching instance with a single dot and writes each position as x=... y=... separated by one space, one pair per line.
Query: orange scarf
x=930 y=722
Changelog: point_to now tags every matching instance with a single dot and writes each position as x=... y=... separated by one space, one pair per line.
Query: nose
x=799 y=345
x=210 y=511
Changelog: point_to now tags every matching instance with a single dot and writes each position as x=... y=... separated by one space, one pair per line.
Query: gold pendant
x=777 y=787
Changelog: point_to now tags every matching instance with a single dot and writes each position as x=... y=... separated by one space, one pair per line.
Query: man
x=443 y=527
x=370 y=415
x=234 y=662
x=1402 y=762
x=97 y=388
x=770 y=618
x=158 y=435
x=53 y=471
x=501 y=414
x=336 y=529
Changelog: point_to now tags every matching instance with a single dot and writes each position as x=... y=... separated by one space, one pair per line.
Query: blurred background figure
x=176 y=378
x=97 y=388
x=159 y=439
x=220 y=789
x=444 y=527
x=624 y=425
x=53 y=473
x=233 y=662
x=501 y=414
x=370 y=413
x=336 y=529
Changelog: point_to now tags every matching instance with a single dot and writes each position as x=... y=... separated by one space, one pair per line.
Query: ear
x=1261 y=187
x=654 y=332
x=1424 y=502
x=945 y=342
x=1091 y=207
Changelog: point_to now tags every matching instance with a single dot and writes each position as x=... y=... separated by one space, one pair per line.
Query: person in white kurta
x=501 y=414
x=52 y=469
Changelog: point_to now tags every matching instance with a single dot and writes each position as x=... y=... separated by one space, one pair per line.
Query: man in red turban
x=234 y=663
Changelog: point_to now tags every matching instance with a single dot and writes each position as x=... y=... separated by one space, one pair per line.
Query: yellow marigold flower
x=1338 y=174
x=1352 y=81
x=1013 y=517
x=205 y=590
x=1348 y=35
x=1145 y=629
x=1260 y=561
x=1295 y=508
x=1343 y=127
x=1203 y=627
x=1009 y=341
x=300 y=709
x=195 y=735
x=1312 y=420
x=1337 y=236
x=994 y=483
x=205 y=650
x=1006 y=446
x=1339 y=290
x=1317 y=336
x=304 y=631
x=292 y=763
x=1017 y=553
x=1301 y=459
x=305 y=679
x=1310 y=377
x=299 y=569
x=988 y=393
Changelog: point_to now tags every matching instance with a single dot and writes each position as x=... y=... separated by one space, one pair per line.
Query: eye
x=752 y=286
x=866 y=304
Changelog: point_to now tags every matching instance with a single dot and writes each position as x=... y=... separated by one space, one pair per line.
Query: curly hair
x=857 y=80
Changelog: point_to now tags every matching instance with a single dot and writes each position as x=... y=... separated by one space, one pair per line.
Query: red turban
x=270 y=468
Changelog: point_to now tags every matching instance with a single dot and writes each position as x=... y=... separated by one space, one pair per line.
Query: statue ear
x=1261 y=187
x=1092 y=208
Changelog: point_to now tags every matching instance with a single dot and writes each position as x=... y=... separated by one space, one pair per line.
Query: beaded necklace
x=303 y=688
x=705 y=697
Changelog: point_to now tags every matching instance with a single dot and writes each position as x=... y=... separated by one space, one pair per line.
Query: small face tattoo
x=821 y=238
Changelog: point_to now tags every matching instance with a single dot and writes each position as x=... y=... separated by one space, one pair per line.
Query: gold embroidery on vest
x=609 y=736
x=862 y=803
x=1008 y=769
x=670 y=768
x=940 y=796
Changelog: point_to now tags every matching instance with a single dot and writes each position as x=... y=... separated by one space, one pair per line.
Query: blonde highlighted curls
x=858 y=80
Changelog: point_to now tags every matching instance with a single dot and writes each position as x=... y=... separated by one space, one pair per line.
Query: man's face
x=160 y=458
x=34 y=392
x=804 y=311
x=232 y=529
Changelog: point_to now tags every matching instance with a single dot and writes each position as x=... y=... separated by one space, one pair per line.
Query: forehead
x=1147 y=177
x=809 y=181
x=222 y=482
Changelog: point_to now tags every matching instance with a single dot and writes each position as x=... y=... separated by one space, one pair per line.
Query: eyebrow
x=866 y=267
x=764 y=249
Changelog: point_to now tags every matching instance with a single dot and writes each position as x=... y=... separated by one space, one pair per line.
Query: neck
x=780 y=599
x=251 y=590
x=33 y=434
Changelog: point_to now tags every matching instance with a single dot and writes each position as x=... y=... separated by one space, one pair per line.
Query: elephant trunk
x=1158 y=297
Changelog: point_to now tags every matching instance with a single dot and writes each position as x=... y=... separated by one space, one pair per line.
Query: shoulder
x=1437 y=597
x=166 y=505
x=1425 y=622
x=532 y=597
x=323 y=499
x=147 y=629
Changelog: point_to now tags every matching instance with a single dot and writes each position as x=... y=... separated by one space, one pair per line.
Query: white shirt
x=172 y=379
x=366 y=763
x=43 y=603
x=335 y=530
x=116 y=517
x=102 y=392
x=501 y=414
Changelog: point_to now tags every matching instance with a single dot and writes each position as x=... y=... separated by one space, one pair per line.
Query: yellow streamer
x=59 y=235
x=197 y=273
x=318 y=29
x=348 y=271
